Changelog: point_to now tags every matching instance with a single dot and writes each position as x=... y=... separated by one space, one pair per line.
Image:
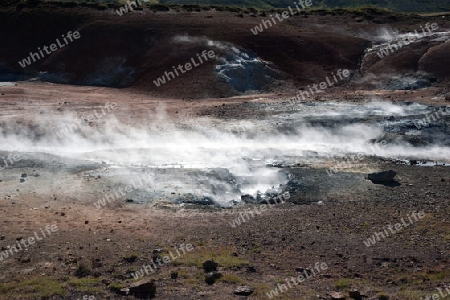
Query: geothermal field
x=195 y=153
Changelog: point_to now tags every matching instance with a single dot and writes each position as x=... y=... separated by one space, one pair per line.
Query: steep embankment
x=397 y=5
x=135 y=49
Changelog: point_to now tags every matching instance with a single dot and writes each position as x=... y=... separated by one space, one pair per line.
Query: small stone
x=25 y=259
x=251 y=269
x=243 y=291
x=337 y=296
x=96 y=263
x=97 y=274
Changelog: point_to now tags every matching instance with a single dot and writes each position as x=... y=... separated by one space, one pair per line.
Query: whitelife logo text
x=53 y=47
x=31 y=240
x=188 y=66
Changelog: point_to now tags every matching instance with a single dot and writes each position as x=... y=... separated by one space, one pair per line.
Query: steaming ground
x=208 y=160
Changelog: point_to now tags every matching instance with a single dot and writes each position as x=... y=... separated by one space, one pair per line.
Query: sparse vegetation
x=231 y=278
x=224 y=256
x=116 y=287
x=343 y=284
x=88 y=285
x=42 y=286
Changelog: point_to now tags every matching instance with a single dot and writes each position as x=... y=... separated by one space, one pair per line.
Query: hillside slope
x=398 y=5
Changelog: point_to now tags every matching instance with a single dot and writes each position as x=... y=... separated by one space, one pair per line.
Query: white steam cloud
x=212 y=158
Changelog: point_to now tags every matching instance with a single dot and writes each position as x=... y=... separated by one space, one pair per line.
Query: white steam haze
x=238 y=67
x=191 y=151
x=388 y=36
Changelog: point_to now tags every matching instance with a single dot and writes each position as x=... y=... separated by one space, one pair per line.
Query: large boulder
x=210 y=266
x=382 y=177
x=143 y=289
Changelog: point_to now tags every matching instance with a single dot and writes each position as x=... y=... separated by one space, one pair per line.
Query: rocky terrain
x=223 y=183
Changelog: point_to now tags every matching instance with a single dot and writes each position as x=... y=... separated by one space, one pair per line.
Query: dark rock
x=174 y=275
x=355 y=294
x=210 y=266
x=25 y=259
x=251 y=269
x=24 y=175
x=131 y=259
x=156 y=257
x=271 y=193
x=211 y=277
x=243 y=291
x=96 y=263
x=197 y=200
x=246 y=198
x=143 y=289
x=382 y=177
